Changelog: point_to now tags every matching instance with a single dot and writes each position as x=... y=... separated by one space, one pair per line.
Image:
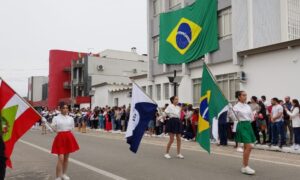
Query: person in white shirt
x=277 y=123
x=294 y=115
x=244 y=132
x=64 y=142
x=174 y=126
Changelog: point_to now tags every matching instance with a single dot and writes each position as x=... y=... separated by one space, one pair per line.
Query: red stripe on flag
x=5 y=94
x=21 y=126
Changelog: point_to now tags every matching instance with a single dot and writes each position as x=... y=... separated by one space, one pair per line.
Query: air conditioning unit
x=242 y=76
x=100 y=68
x=134 y=71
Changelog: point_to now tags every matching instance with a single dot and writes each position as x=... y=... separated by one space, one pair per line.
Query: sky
x=30 y=28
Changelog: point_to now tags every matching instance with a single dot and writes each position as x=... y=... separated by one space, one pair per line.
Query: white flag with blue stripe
x=142 y=111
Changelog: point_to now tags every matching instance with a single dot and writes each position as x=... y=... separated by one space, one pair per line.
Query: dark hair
x=62 y=104
x=254 y=98
x=296 y=102
x=172 y=99
x=263 y=97
x=276 y=99
x=238 y=94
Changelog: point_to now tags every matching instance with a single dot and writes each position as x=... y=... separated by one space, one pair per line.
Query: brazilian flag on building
x=213 y=109
x=188 y=33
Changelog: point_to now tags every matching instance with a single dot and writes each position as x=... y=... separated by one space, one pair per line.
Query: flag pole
x=211 y=74
x=159 y=109
x=216 y=82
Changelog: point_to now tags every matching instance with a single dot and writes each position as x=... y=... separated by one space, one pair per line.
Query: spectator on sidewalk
x=277 y=123
x=294 y=114
x=287 y=120
x=255 y=109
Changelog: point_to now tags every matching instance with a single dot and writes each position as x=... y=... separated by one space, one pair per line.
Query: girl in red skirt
x=64 y=142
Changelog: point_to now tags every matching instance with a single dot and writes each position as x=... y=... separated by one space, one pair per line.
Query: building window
x=224 y=24
x=155 y=47
x=228 y=83
x=293 y=19
x=144 y=88
x=150 y=91
x=156 y=7
x=116 y=102
x=196 y=91
x=166 y=90
x=158 y=92
x=175 y=4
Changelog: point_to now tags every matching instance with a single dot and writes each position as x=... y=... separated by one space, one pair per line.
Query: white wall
x=114 y=69
x=274 y=74
x=103 y=96
x=122 y=96
x=37 y=89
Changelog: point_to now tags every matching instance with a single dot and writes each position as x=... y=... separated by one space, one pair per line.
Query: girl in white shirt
x=64 y=142
x=174 y=126
x=294 y=115
x=244 y=131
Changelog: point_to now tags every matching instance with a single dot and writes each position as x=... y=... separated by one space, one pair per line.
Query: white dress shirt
x=243 y=112
x=63 y=123
x=173 y=111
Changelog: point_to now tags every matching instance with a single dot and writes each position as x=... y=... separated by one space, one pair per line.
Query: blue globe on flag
x=184 y=35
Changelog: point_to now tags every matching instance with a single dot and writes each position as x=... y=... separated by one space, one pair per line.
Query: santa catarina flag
x=142 y=111
x=17 y=115
x=213 y=109
x=188 y=33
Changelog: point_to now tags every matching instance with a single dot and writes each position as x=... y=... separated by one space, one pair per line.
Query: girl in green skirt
x=244 y=131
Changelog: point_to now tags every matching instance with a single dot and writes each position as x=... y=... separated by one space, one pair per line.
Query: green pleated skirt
x=244 y=133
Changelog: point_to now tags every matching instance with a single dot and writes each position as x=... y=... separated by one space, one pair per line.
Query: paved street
x=106 y=156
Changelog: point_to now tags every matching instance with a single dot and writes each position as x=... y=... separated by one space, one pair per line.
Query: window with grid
x=150 y=91
x=228 y=83
x=196 y=91
x=166 y=91
x=293 y=19
x=158 y=92
x=224 y=24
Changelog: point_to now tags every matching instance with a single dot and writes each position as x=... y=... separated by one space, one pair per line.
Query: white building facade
x=37 y=88
x=109 y=76
x=243 y=26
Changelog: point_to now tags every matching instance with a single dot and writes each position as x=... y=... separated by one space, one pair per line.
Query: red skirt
x=64 y=143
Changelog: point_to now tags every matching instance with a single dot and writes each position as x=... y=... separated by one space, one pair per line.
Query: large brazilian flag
x=213 y=108
x=188 y=33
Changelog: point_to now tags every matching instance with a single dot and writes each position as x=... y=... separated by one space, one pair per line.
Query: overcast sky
x=30 y=28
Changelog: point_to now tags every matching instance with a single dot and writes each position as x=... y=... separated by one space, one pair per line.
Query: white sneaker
x=59 y=178
x=65 y=177
x=180 y=156
x=296 y=147
x=239 y=149
x=247 y=170
x=167 y=156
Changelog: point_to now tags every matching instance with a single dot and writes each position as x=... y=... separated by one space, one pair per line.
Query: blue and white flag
x=142 y=111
